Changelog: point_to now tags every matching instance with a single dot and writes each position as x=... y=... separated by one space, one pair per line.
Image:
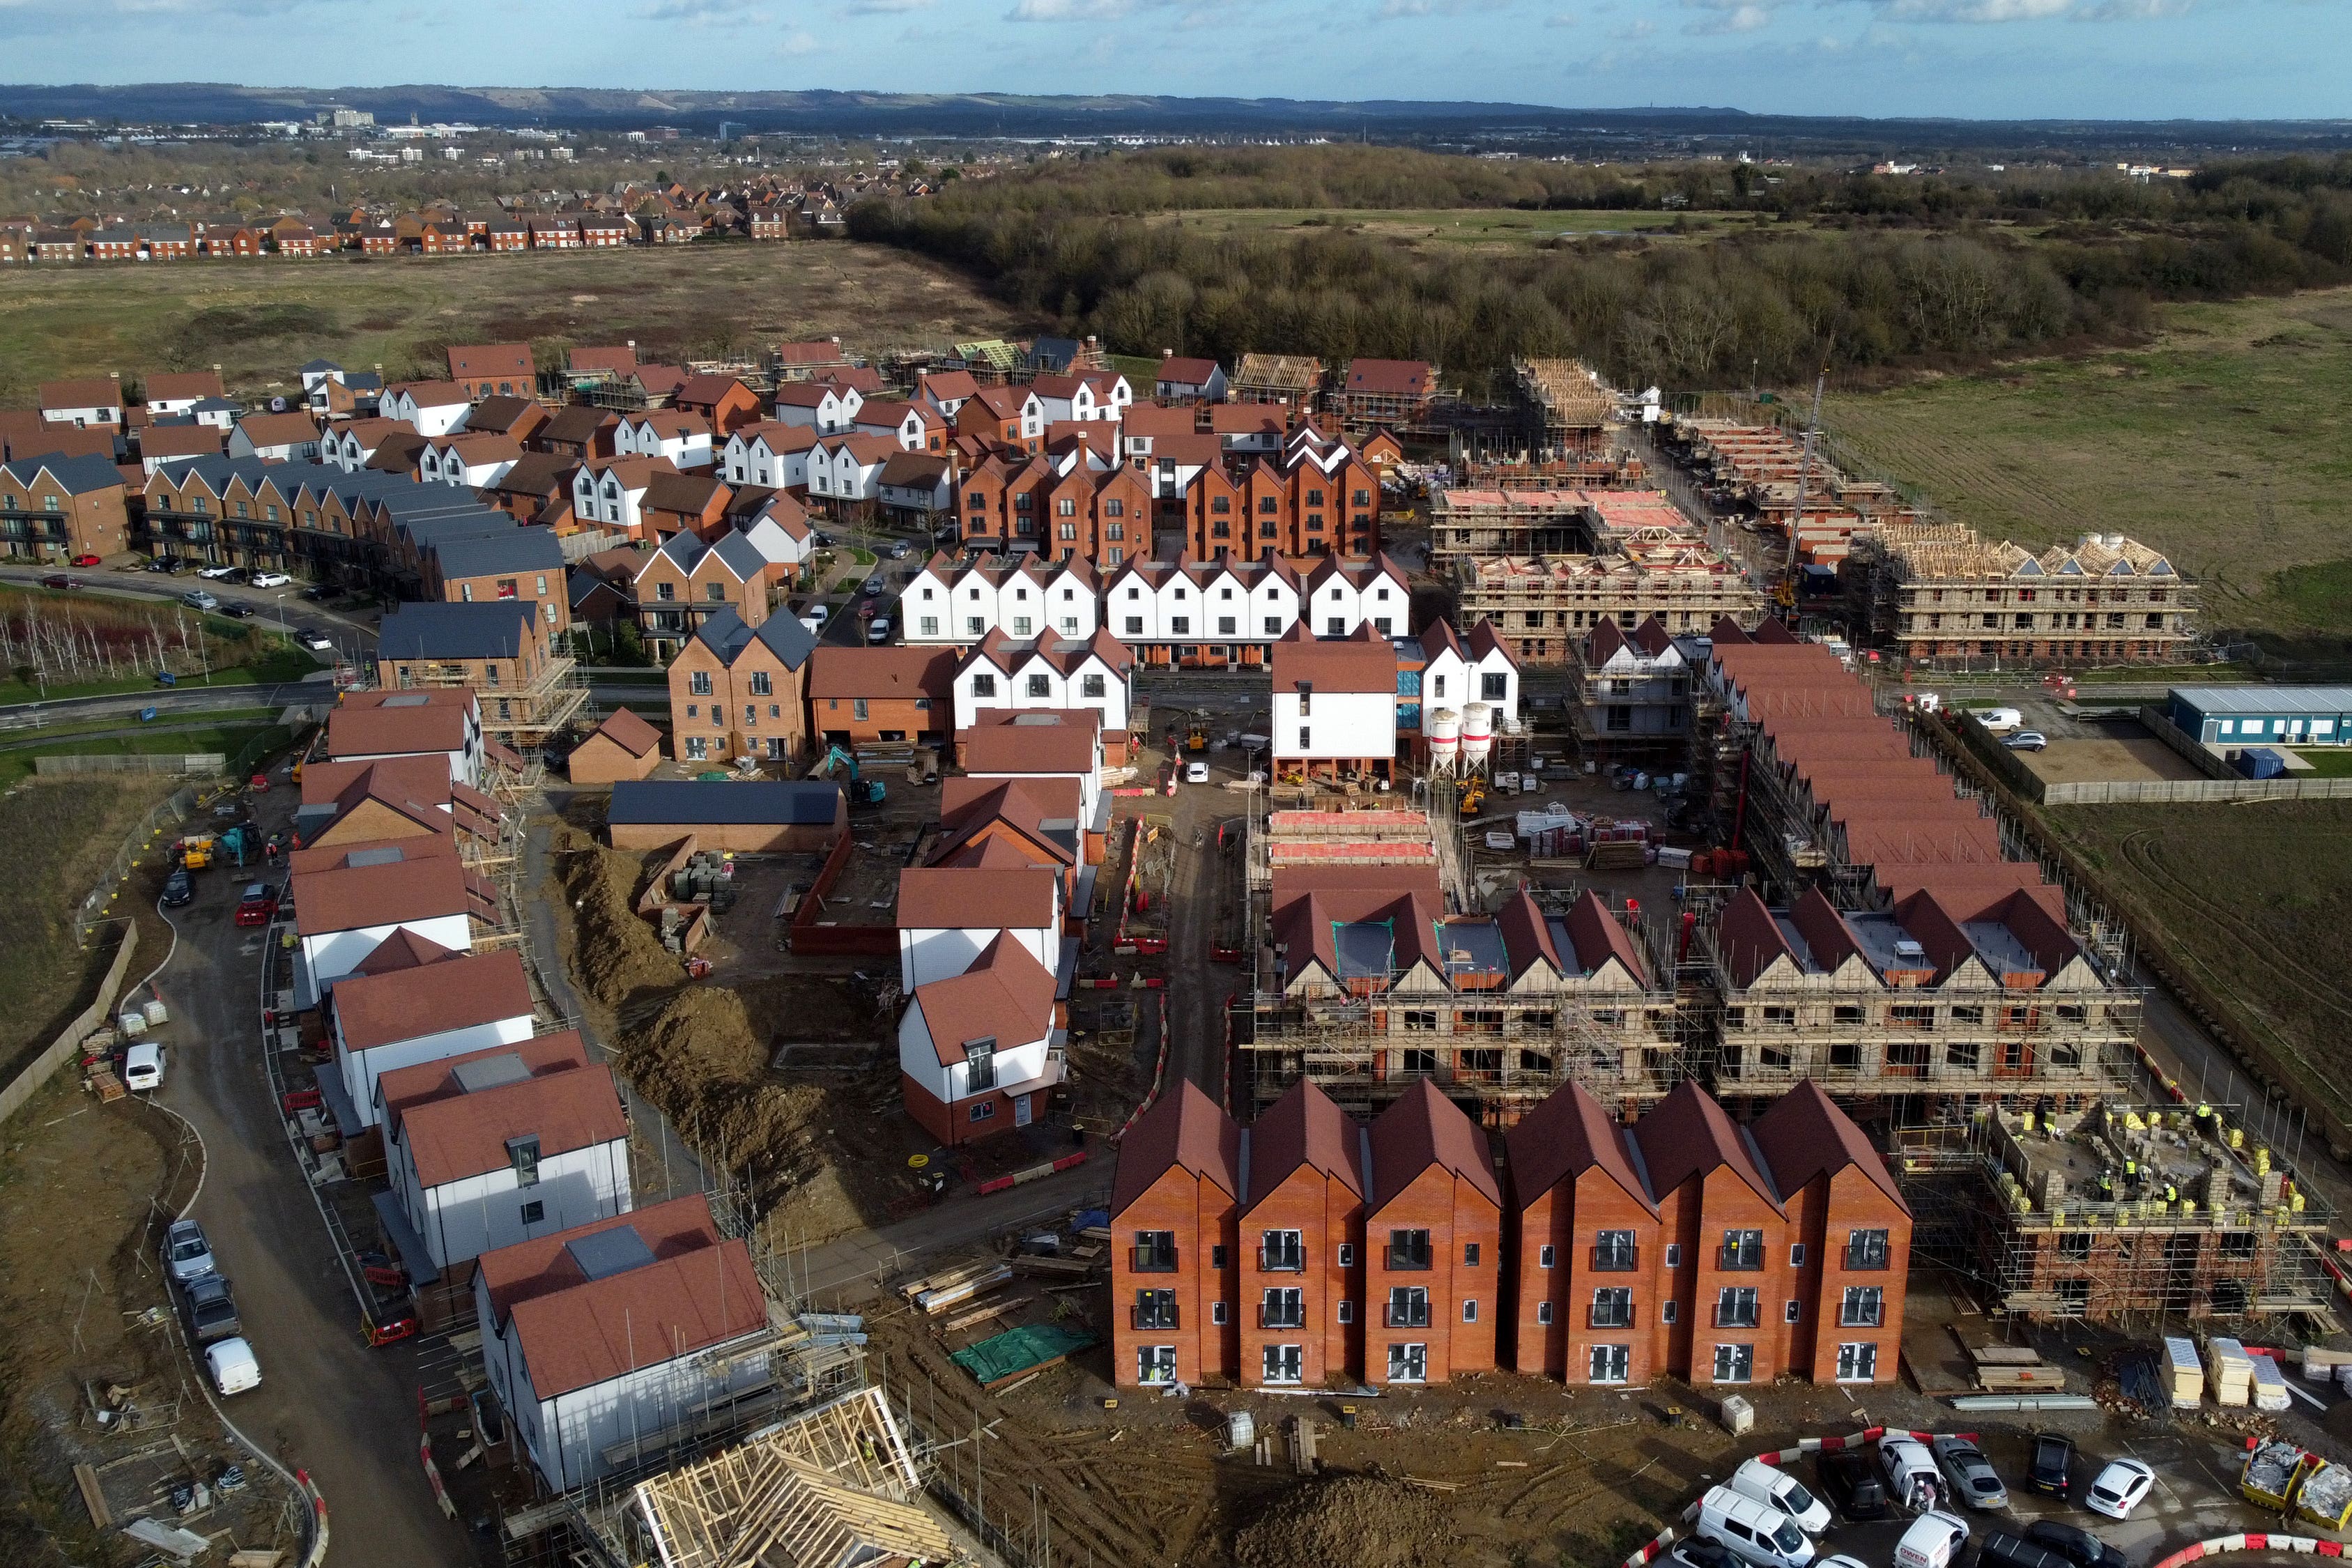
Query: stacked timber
x=2014 y=1369
x=2233 y=1371
x=2184 y=1375
x=934 y=1293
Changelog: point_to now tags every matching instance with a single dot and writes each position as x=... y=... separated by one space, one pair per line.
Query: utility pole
x=1804 y=481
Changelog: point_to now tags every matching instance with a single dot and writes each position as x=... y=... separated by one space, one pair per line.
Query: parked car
x=1974 y=1480
x=86 y=559
x=1999 y=720
x=1934 y=1541
x=216 y=573
x=1851 y=1484
x=2002 y=1550
x=232 y=1367
x=1772 y=1484
x=2119 y=1489
x=179 y=888
x=1911 y=1475
x=1693 y=1552
x=238 y=610
x=1757 y=1532
x=820 y=614
x=901 y=550
x=317 y=642
x=2028 y=741
x=880 y=630
x=186 y=1252
x=211 y=1308
x=165 y=564
x=59 y=580
x=2075 y=1544
x=1196 y=773
x=142 y=1067
x=2051 y=1468
x=257 y=904
x=270 y=579
x=197 y=599
x=873 y=585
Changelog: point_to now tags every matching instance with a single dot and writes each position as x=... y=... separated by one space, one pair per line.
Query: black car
x=1852 y=1483
x=2052 y=1469
x=317 y=593
x=179 y=888
x=237 y=610
x=2079 y=1547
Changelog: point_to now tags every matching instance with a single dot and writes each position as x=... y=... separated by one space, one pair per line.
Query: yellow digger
x=1473 y=795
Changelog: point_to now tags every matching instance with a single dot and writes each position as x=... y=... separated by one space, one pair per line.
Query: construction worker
x=2171 y=1194
x=2108 y=1186
x=2204 y=1117
x=2131 y=1175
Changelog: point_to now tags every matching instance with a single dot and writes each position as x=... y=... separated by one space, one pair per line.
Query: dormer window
x=522 y=1153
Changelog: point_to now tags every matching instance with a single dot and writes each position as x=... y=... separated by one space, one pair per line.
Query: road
x=327 y=1404
x=279 y=607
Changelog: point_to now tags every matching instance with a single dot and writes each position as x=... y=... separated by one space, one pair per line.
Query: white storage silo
x=1443 y=729
x=1478 y=735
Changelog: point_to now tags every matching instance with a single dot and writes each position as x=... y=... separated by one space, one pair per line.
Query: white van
x=1772 y=1484
x=142 y=1067
x=2000 y=720
x=233 y=1366
x=1755 y=1531
x=1934 y=1541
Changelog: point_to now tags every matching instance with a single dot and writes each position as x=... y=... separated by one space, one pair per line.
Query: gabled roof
x=1185 y=1130
x=472 y=362
x=404 y=949
x=498 y=630
x=957 y=898
x=1803 y=1135
x=1005 y=995
x=1360 y=662
x=629 y=732
x=1564 y=1136
x=1424 y=1129
x=881 y=674
x=1389 y=377
x=691 y=802
x=1305 y=1126
x=91 y=392
x=463 y=990
x=387 y=723
x=1032 y=741
x=1688 y=1135
x=725 y=635
x=515 y=549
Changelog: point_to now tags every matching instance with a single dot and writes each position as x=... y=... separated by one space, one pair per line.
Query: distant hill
x=1019 y=115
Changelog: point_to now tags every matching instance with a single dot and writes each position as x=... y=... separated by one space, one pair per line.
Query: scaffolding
x=2145 y=1218
x=525 y=718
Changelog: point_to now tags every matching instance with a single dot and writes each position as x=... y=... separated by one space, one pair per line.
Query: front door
x=1020 y=1110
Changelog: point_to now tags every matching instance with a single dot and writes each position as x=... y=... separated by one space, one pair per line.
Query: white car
x=879 y=630
x=2119 y=1489
x=1196 y=773
x=215 y=573
x=317 y=642
x=820 y=614
x=142 y=1067
x=1772 y=1484
x=270 y=579
x=233 y=1366
x=1934 y=1541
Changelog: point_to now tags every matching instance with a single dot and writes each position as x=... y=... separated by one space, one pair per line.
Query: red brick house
x=486 y=370
x=739 y=691
x=1432 y=1244
x=1386 y=391
x=726 y=402
x=1850 y=1236
x=1173 y=1242
x=1584 y=1247
x=1300 y=1263
x=858 y=696
x=1723 y=1241
x=1014 y=415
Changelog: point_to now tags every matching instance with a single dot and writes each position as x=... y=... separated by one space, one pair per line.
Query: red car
x=86 y=560
x=259 y=902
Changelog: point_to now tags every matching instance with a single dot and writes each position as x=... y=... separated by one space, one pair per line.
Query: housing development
x=836 y=935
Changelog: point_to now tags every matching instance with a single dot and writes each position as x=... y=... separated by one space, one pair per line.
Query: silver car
x=186 y=1254
x=1974 y=1481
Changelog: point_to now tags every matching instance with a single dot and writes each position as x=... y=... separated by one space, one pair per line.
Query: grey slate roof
x=514 y=550
x=455 y=631
x=725 y=635
x=688 y=801
x=76 y=476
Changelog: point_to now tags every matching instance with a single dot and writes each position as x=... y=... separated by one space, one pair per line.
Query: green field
x=260 y=319
x=2224 y=442
x=228 y=739
x=1509 y=227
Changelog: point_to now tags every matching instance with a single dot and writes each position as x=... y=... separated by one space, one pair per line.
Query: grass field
x=228 y=739
x=258 y=320
x=2225 y=442
x=1478 y=227
x=2256 y=900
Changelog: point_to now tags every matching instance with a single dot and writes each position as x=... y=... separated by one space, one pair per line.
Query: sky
x=1966 y=58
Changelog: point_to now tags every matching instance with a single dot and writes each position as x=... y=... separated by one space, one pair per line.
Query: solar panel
x=610 y=1252
x=489 y=1072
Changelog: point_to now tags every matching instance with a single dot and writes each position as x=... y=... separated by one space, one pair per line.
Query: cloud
x=707 y=12
x=886 y=7
x=795 y=43
x=1640 y=28
x=1560 y=19
x=1729 y=15
x=2135 y=10
x=1395 y=10
x=1068 y=10
x=1975 y=10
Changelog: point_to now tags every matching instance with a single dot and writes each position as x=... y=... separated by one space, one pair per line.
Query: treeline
x=1070 y=244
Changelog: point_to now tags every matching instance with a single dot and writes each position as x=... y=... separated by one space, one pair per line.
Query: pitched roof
x=173 y=386
x=1688 y=1135
x=404 y=949
x=629 y=732
x=882 y=674
x=1185 y=1130
x=397 y=1088
x=501 y=629
x=1360 y=662
x=1305 y=1126
x=278 y=429
x=686 y=802
x=90 y=392
x=1421 y=1129
x=383 y=893
x=518 y=549
x=471 y=1134
x=617 y=361
x=1803 y=1135
x=1186 y=371
x=1004 y=995
x=957 y=898
x=457 y=991
x=706 y=390
x=1032 y=741
x=1389 y=377
x=387 y=723
x=1567 y=1134
x=472 y=362
x=725 y=635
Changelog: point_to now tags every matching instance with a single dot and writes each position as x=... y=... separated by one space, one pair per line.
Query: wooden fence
x=28 y=1082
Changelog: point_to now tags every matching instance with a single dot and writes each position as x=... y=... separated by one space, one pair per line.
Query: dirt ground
x=82 y=1306
x=2131 y=757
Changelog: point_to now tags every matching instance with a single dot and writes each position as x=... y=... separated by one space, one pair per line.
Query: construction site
x=1762 y=475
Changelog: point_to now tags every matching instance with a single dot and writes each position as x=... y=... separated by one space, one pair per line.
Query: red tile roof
x=1564 y=1136
x=455 y=1136
x=629 y=732
x=353 y=898
x=1424 y=1129
x=972 y=899
x=882 y=674
x=1032 y=741
x=1389 y=377
x=1687 y=1135
x=455 y=993
x=1362 y=662
x=1186 y=1130
x=1802 y=1136
x=1305 y=1126
x=1006 y=995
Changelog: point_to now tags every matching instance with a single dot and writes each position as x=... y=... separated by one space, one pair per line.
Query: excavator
x=862 y=791
x=1196 y=731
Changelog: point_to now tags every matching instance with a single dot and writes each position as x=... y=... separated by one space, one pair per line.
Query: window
x=1735 y=1363
x=1347 y=1254
x=1408 y=1307
x=1469 y=1255
x=1609 y=1364
x=1305 y=739
x=1180 y=625
x=1155 y=1363
x=699 y=682
x=1670 y=1311
x=1408 y=1363
x=1283 y=1364
x=763 y=685
x=1347 y=1312
x=1135 y=626
x=1674 y=1255
x=1217 y=1313
x=1273 y=626
x=534 y=1212
x=1469 y=1311
x=983 y=1110
x=1040 y=686
x=1279 y=1252
x=1543 y=1312
x=1613 y=1251
x=665 y=591
x=1021 y=625
x=1742 y=1249
x=1857 y=1363
x=1155 y=1252
x=1864 y=1307
x=1409 y=1250
x=1283 y=1307
x=522 y=1153
x=2237 y=1246
x=983 y=684
x=1334 y=625
x=1734 y=1307
x=1612 y=1307
x=929 y=626
x=1796 y=1255
x=1792 y=1312
x=1865 y=1249
x=857 y=707
x=1155 y=1309
x=1544 y=1256
x=1090 y=686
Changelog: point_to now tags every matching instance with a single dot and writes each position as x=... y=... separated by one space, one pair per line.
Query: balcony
x=1867 y=1258
x=1164 y=1317
x=1151 y=1259
x=1410 y=1315
x=1739 y=1260
x=1736 y=1315
x=1291 y=1317
x=1615 y=1259
x=1281 y=1262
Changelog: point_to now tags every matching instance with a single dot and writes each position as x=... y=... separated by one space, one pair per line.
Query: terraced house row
x=1309 y=1248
